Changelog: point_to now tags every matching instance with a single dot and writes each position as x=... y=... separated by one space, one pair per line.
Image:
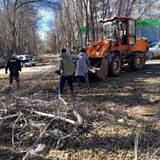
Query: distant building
x=149 y=11
x=143 y=9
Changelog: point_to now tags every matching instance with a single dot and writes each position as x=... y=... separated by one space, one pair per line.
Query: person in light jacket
x=82 y=67
x=66 y=66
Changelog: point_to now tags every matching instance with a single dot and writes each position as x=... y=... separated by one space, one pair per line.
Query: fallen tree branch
x=31 y=148
x=62 y=100
x=79 y=118
x=158 y=149
x=8 y=117
x=78 y=122
x=42 y=75
x=54 y=116
x=30 y=100
x=39 y=101
x=19 y=116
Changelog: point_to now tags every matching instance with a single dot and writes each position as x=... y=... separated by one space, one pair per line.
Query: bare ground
x=121 y=114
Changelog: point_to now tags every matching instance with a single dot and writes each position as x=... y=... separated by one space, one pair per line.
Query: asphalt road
x=36 y=68
x=39 y=67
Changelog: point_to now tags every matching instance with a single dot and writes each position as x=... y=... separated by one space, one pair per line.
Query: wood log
x=55 y=117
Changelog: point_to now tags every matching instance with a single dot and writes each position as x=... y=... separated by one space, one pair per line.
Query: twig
x=79 y=118
x=136 y=146
x=62 y=100
x=8 y=117
x=136 y=141
x=155 y=152
x=21 y=131
x=40 y=77
x=24 y=158
x=14 y=127
x=30 y=100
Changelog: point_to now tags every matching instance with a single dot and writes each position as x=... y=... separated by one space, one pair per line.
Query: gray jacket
x=82 y=64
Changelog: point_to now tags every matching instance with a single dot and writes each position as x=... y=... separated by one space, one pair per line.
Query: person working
x=66 y=66
x=14 y=66
x=81 y=67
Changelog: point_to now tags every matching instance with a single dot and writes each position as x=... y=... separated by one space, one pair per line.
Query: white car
x=27 y=60
x=154 y=52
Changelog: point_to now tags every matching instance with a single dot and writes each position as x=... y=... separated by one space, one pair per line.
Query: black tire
x=137 y=61
x=115 y=66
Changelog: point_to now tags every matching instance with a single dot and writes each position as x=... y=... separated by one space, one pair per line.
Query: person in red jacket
x=14 y=66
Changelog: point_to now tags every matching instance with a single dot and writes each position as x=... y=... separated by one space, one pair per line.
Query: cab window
x=132 y=32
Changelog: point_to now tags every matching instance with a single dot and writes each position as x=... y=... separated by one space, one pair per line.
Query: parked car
x=154 y=52
x=27 y=60
x=152 y=44
x=2 y=62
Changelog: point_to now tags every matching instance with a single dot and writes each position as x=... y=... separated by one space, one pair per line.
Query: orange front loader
x=119 y=46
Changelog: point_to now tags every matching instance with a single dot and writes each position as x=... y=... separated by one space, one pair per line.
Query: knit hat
x=63 y=50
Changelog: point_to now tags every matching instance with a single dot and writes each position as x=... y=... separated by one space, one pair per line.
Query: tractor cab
x=121 y=30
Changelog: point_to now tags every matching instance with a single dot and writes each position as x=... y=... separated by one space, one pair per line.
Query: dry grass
x=114 y=132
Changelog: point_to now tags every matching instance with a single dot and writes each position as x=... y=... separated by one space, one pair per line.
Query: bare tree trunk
x=35 y=43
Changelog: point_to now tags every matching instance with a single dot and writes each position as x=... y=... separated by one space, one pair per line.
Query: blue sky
x=46 y=23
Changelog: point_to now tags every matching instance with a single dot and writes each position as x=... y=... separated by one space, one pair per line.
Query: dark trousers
x=69 y=80
x=86 y=79
x=16 y=77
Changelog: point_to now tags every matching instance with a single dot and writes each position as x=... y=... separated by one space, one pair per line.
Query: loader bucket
x=103 y=72
x=99 y=67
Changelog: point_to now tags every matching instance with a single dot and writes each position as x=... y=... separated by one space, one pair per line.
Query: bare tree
x=19 y=25
x=85 y=13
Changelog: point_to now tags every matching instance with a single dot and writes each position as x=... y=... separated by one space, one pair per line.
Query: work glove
x=58 y=71
x=6 y=71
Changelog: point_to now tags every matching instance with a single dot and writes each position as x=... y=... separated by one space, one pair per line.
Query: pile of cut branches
x=37 y=123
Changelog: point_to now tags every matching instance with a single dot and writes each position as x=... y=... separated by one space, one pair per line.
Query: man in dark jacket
x=14 y=66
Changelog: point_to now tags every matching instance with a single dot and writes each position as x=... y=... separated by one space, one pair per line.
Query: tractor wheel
x=137 y=61
x=115 y=66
